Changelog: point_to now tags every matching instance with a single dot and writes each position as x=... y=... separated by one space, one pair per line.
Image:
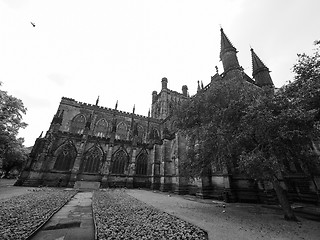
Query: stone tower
x=260 y=72
x=228 y=56
x=164 y=103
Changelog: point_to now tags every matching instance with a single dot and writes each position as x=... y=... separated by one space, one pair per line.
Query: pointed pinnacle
x=226 y=44
x=257 y=64
x=116 y=105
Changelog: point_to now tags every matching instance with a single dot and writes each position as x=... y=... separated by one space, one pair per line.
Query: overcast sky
x=121 y=49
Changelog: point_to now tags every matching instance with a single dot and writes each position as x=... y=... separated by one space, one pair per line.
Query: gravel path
x=23 y=214
x=235 y=221
x=120 y=216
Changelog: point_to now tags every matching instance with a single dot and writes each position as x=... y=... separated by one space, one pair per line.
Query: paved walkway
x=230 y=221
x=72 y=222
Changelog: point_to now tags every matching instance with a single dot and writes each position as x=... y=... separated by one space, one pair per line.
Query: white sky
x=121 y=49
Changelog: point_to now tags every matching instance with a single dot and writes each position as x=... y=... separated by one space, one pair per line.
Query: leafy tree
x=210 y=121
x=305 y=90
x=11 y=110
x=15 y=157
x=276 y=134
x=234 y=123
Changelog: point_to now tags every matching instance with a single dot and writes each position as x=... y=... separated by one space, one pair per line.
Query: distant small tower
x=154 y=96
x=185 y=90
x=260 y=72
x=198 y=88
x=164 y=82
x=228 y=54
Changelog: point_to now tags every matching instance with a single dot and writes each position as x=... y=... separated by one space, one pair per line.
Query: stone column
x=76 y=164
x=155 y=158
x=151 y=159
x=132 y=169
x=181 y=155
x=106 y=167
x=228 y=193
x=165 y=175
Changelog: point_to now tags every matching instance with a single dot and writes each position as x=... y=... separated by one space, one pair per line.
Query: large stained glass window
x=65 y=158
x=101 y=129
x=91 y=160
x=121 y=131
x=78 y=123
x=142 y=164
x=140 y=133
x=119 y=161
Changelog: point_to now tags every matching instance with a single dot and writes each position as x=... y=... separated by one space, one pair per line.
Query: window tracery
x=121 y=131
x=65 y=158
x=91 y=160
x=101 y=129
x=140 y=133
x=142 y=164
x=119 y=162
x=78 y=124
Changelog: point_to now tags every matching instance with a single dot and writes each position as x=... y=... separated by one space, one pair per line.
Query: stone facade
x=119 y=149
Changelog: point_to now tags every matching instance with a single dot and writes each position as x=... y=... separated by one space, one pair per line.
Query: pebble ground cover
x=21 y=215
x=121 y=216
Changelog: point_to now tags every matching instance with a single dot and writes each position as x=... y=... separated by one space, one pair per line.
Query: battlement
x=171 y=92
x=68 y=99
x=101 y=108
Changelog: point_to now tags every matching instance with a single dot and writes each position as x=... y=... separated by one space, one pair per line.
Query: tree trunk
x=284 y=201
x=6 y=174
x=316 y=187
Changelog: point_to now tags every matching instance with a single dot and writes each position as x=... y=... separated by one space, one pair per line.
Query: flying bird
x=33 y=24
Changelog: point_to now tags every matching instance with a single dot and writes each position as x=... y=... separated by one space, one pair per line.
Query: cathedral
x=112 y=148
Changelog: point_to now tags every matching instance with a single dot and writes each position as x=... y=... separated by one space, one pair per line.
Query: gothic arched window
x=142 y=164
x=101 y=128
x=155 y=133
x=65 y=158
x=122 y=131
x=140 y=133
x=119 y=162
x=78 y=123
x=91 y=160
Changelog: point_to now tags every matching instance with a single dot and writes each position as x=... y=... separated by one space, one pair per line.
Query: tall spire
x=116 y=106
x=132 y=116
x=148 y=127
x=228 y=54
x=226 y=44
x=257 y=64
x=97 y=101
x=260 y=72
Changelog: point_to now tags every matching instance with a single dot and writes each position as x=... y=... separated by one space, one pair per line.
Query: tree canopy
x=235 y=124
x=11 y=147
x=211 y=122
